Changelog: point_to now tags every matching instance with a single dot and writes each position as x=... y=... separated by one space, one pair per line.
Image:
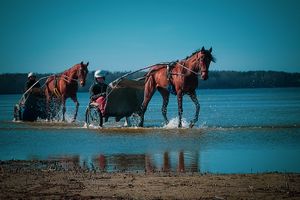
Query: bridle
x=201 y=63
x=188 y=69
x=79 y=74
x=68 y=78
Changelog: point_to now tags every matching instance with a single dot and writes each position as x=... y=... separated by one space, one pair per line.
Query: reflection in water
x=165 y=162
x=225 y=141
x=173 y=162
x=166 y=167
x=68 y=162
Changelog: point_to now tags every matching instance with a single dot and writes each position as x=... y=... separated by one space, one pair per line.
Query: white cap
x=31 y=74
x=100 y=73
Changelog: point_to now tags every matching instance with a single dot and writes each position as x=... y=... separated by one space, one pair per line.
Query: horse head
x=82 y=73
x=201 y=60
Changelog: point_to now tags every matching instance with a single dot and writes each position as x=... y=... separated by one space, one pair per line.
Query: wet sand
x=49 y=180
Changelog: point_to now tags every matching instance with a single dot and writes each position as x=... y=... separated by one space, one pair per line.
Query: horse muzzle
x=82 y=83
x=204 y=76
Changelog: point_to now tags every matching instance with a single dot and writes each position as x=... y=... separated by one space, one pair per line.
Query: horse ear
x=203 y=49
x=210 y=50
x=81 y=63
x=87 y=63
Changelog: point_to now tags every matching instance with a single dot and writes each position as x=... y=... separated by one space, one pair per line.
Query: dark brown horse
x=65 y=85
x=182 y=77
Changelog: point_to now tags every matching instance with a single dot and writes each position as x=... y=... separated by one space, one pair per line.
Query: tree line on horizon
x=14 y=83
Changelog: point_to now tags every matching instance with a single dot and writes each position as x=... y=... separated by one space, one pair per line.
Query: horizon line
x=125 y=71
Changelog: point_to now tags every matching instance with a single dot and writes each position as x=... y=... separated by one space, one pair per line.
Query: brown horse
x=65 y=85
x=181 y=77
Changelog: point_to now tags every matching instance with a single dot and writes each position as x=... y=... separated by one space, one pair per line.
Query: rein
x=196 y=73
x=23 y=99
x=67 y=78
x=62 y=76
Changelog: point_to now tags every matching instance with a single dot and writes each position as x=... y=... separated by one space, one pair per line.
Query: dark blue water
x=239 y=131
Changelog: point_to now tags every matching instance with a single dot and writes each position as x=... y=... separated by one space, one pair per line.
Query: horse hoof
x=192 y=125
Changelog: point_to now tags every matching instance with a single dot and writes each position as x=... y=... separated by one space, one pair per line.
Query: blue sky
x=52 y=35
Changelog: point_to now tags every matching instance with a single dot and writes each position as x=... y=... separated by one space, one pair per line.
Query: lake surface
x=239 y=131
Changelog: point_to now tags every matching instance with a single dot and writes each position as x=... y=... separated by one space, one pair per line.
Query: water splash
x=204 y=124
x=85 y=125
x=90 y=126
x=173 y=123
x=69 y=117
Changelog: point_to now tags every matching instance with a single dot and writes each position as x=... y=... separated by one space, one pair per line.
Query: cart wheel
x=93 y=116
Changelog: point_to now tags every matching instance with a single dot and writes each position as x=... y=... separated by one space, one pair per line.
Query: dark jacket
x=29 y=83
x=97 y=90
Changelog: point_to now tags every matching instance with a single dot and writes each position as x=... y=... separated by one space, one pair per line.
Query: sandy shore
x=44 y=180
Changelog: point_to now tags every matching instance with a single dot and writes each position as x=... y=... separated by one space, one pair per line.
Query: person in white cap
x=31 y=80
x=98 y=89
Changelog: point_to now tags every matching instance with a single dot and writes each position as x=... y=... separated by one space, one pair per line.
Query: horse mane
x=207 y=53
x=195 y=52
x=67 y=71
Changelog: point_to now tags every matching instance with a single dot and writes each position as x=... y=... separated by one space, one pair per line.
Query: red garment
x=102 y=103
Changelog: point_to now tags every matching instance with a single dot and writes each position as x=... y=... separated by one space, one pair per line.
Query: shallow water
x=239 y=131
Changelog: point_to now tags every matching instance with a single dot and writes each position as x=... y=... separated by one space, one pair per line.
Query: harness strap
x=55 y=90
x=171 y=87
x=196 y=73
x=57 y=93
x=169 y=73
x=170 y=67
x=55 y=81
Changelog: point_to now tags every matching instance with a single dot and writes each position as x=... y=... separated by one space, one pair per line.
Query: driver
x=32 y=81
x=98 y=90
x=32 y=84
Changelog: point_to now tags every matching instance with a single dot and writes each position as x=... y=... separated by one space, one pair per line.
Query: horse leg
x=197 y=105
x=180 y=110
x=47 y=108
x=127 y=122
x=149 y=91
x=144 y=108
x=47 y=103
x=165 y=95
x=77 y=106
x=63 y=101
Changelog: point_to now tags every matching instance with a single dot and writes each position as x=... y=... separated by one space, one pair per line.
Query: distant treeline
x=14 y=83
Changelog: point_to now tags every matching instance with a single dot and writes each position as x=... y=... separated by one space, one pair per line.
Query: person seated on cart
x=31 y=81
x=98 y=90
x=28 y=108
x=32 y=86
